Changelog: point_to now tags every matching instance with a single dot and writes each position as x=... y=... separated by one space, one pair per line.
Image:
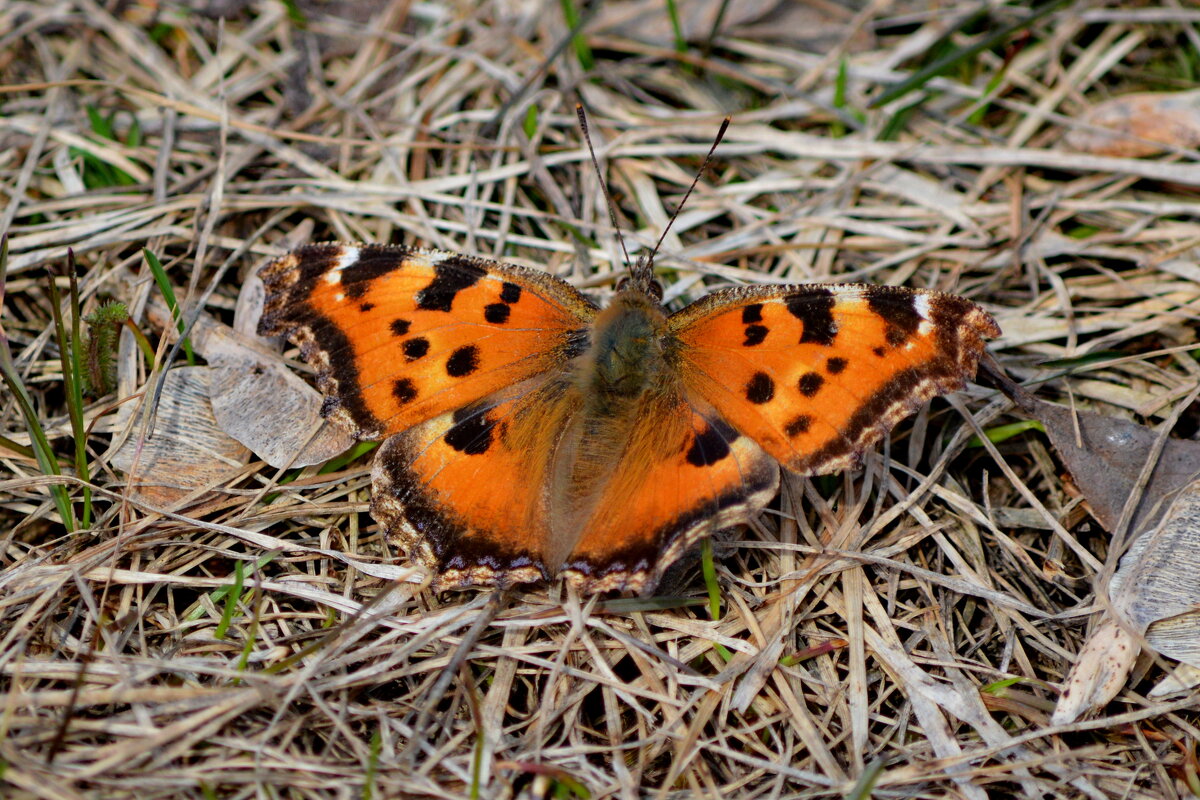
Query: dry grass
x=860 y=622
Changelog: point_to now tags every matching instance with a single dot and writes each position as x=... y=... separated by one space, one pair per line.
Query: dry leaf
x=1099 y=672
x=256 y=398
x=271 y=410
x=1138 y=121
x=1106 y=456
x=1157 y=587
x=1156 y=590
x=186 y=450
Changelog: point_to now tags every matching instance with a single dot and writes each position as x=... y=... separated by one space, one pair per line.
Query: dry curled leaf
x=1157 y=588
x=255 y=397
x=1099 y=672
x=1106 y=457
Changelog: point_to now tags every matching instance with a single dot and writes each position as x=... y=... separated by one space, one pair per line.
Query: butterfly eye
x=655 y=290
x=622 y=283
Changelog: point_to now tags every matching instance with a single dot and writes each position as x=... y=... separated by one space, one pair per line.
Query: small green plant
x=98 y=173
x=69 y=347
x=100 y=347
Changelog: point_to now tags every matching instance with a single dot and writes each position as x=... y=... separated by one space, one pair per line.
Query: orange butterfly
x=531 y=433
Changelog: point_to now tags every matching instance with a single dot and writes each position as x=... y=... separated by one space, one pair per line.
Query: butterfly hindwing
x=466 y=492
x=684 y=473
x=818 y=373
x=400 y=335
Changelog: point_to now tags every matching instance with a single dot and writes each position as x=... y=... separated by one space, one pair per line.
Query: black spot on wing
x=752 y=313
x=404 y=390
x=450 y=276
x=755 y=335
x=810 y=383
x=496 y=313
x=416 y=348
x=897 y=309
x=463 y=361
x=365 y=307
x=760 y=389
x=472 y=431
x=712 y=444
x=835 y=365
x=400 y=327
x=814 y=309
x=510 y=293
x=372 y=264
x=798 y=425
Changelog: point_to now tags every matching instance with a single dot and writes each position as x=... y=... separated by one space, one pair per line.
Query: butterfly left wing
x=818 y=373
x=466 y=493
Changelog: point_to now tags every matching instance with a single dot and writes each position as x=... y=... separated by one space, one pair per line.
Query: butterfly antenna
x=612 y=209
x=720 y=135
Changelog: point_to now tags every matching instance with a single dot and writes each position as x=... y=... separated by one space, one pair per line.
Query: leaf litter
x=961 y=579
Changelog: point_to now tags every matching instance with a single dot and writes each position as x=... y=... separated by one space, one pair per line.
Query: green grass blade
x=958 y=55
x=164 y=286
x=232 y=599
x=43 y=452
x=582 y=51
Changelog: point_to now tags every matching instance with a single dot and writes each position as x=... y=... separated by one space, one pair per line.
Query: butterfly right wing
x=818 y=373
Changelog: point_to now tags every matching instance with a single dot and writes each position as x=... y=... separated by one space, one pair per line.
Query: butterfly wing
x=684 y=472
x=818 y=373
x=400 y=335
x=465 y=493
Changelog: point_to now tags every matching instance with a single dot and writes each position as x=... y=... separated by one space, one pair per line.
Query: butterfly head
x=641 y=279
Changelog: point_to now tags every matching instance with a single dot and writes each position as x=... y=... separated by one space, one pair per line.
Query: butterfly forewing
x=400 y=335
x=818 y=373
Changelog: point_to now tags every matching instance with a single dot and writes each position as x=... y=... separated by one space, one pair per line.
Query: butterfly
x=530 y=433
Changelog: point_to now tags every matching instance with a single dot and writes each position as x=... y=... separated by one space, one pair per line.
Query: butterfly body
x=531 y=433
x=629 y=353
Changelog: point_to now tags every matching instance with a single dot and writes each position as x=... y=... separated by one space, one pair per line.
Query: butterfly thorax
x=629 y=354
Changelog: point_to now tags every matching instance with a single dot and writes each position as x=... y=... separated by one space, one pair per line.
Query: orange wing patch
x=816 y=374
x=400 y=335
x=465 y=493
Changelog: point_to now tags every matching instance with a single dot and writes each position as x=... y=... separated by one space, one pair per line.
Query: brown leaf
x=1138 y=122
x=186 y=450
x=1106 y=457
